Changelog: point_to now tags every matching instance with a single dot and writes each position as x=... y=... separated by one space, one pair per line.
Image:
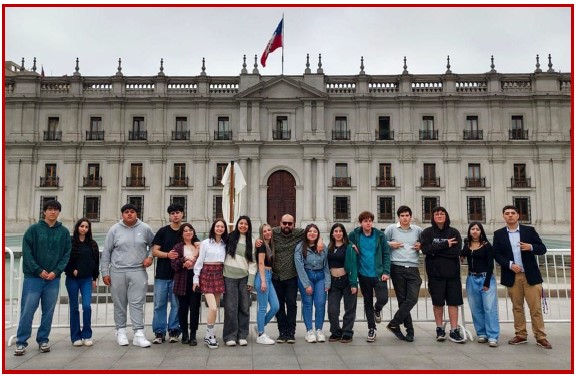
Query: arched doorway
x=281 y=196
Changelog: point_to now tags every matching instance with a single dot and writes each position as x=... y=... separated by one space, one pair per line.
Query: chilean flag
x=275 y=42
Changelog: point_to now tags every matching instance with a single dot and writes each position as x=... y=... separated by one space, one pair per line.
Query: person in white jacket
x=126 y=255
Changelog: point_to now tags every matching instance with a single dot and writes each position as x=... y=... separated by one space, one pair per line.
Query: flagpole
x=231 y=197
x=282 y=43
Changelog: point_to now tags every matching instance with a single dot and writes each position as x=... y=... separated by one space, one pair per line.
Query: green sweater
x=381 y=256
x=45 y=248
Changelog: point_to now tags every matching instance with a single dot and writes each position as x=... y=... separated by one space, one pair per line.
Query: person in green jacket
x=45 y=254
x=373 y=269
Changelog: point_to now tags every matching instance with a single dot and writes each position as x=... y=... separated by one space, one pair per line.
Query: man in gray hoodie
x=127 y=253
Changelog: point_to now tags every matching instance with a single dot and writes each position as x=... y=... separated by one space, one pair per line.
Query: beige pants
x=519 y=292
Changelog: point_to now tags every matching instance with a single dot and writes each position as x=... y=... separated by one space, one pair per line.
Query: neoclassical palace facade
x=322 y=147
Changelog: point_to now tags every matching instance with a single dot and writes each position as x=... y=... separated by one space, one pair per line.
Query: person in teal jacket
x=45 y=254
x=373 y=269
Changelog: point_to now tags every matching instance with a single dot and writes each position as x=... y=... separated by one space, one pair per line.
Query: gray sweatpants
x=129 y=289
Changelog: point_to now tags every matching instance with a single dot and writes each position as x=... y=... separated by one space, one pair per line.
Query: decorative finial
x=255 y=70
x=362 y=65
x=319 y=70
x=307 y=70
x=77 y=69
x=244 y=70
x=22 y=69
x=203 y=73
x=405 y=71
x=550 y=70
x=34 y=65
x=119 y=72
x=492 y=66
x=161 y=71
x=537 y=70
x=448 y=71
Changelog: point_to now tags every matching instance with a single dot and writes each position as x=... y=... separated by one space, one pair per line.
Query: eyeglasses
x=287 y=223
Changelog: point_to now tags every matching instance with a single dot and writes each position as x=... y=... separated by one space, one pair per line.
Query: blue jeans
x=484 y=307
x=84 y=287
x=34 y=291
x=318 y=298
x=265 y=298
x=162 y=295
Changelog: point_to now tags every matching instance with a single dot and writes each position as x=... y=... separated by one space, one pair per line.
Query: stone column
x=321 y=194
x=363 y=181
x=202 y=133
x=406 y=131
x=243 y=121
x=155 y=207
x=307 y=122
x=498 y=181
x=496 y=132
x=405 y=179
x=254 y=128
x=201 y=209
x=307 y=215
x=561 y=197
x=320 y=125
x=114 y=179
x=255 y=195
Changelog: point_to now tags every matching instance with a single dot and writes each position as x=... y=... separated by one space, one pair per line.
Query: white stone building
x=323 y=147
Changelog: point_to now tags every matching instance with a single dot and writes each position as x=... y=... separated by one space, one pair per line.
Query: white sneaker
x=140 y=339
x=77 y=343
x=264 y=340
x=230 y=343
x=242 y=342
x=310 y=336
x=121 y=337
x=88 y=342
x=320 y=337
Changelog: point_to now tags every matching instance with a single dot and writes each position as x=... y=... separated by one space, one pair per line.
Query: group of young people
x=280 y=262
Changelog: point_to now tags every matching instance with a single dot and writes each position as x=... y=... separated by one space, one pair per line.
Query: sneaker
x=121 y=337
x=160 y=338
x=173 y=336
x=455 y=336
x=290 y=339
x=440 y=334
x=310 y=336
x=264 y=340
x=44 y=347
x=230 y=343
x=517 y=340
x=281 y=338
x=409 y=336
x=334 y=338
x=320 y=337
x=346 y=339
x=371 y=335
x=192 y=341
x=242 y=342
x=140 y=339
x=88 y=342
x=20 y=350
x=185 y=340
x=77 y=343
x=211 y=342
x=482 y=339
x=378 y=316
x=397 y=331
x=493 y=343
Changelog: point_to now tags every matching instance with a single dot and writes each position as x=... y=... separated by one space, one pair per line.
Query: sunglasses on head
x=287 y=223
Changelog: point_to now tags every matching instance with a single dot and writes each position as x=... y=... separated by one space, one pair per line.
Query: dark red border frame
x=571 y=6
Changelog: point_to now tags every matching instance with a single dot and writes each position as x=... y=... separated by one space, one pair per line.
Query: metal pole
x=231 y=196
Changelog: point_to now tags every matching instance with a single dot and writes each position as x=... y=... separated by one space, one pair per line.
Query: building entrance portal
x=281 y=196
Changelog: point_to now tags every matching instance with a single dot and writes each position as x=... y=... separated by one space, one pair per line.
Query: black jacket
x=85 y=257
x=441 y=260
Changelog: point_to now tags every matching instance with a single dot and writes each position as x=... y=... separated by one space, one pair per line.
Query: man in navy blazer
x=515 y=248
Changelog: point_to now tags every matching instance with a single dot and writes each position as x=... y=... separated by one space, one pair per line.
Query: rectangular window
x=93 y=179
x=217 y=208
x=384 y=132
x=137 y=201
x=474 y=178
x=44 y=199
x=428 y=132
x=476 y=209
x=220 y=169
x=341 y=178
x=520 y=180
x=179 y=179
x=342 y=208
x=386 y=208
x=181 y=200
x=138 y=131
x=517 y=131
x=428 y=204
x=95 y=133
x=471 y=132
x=385 y=178
x=53 y=133
x=281 y=132
x=341 y=131
x=181 y=131
x=223 y=132
x=523 y=205
x=429 y=179
x=92 y=208
x=50 y=178
x=136 y=178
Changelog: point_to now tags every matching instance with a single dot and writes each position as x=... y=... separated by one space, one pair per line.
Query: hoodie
x=441 y=261
x=45 y=248
x=126 y=247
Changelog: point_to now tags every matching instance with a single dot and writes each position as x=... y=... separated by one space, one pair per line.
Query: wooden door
x=281 y=196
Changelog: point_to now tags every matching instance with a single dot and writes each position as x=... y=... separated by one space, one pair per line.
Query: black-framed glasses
x=287 y=223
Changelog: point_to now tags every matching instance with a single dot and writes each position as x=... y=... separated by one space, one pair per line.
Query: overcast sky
x=182 y=36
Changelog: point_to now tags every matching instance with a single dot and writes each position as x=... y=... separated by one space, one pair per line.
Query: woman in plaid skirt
x=208 y=274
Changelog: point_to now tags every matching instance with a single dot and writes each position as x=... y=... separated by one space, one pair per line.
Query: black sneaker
x=282 y=338
x=397 y=331
x=371 y=335
x=334 y=338
x=160 y=338
x=378 y=316
x=290 y=339
x=409 y=335
x=346 y=339
x=440 y=334
x=455 y=336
